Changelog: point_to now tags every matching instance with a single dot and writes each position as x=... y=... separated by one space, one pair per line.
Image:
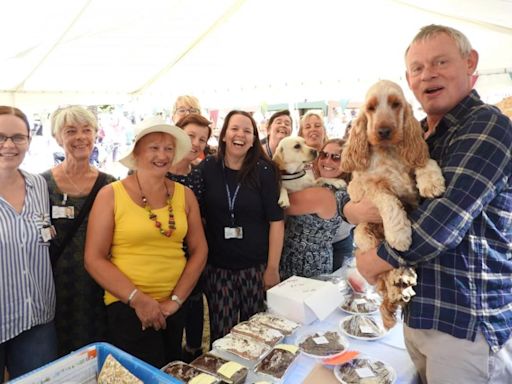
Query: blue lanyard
x=231 y=200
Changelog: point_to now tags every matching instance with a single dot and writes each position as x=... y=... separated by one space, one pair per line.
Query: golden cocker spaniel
x=390 y=164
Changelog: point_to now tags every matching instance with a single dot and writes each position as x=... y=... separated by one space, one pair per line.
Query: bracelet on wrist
x=177 y=299
x=131 y=296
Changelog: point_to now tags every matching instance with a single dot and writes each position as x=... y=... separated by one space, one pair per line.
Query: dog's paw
x=407 y=294
x=435 y=189
x=408 y=276
x=283 y=201
x=430 y=181
x=335 y=183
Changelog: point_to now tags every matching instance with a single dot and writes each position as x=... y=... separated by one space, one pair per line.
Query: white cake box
x=304 y=300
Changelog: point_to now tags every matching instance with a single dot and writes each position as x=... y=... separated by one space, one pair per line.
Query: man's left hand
x=370 y=265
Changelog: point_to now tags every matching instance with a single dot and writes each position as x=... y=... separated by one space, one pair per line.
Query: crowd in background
x=116 y=125
x=88 y=256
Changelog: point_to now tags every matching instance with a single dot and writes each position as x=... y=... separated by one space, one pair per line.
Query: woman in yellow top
x=134 y=246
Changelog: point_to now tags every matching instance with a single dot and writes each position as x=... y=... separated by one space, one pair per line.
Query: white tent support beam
x=20 y=86
x=219 y=21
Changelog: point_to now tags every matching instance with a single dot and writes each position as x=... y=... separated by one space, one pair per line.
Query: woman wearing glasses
x=27 y=299
x=313 y=219
x=183 y=106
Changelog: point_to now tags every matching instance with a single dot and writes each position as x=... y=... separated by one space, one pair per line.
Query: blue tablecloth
x=390 y=349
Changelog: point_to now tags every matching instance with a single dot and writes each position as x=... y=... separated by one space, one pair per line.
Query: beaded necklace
x=153 y=217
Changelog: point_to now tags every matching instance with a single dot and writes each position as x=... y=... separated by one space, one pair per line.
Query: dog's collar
x=292 y=176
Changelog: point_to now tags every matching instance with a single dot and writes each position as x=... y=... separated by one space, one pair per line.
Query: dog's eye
x=296 y=146
x=396 y=104
x=370 y=108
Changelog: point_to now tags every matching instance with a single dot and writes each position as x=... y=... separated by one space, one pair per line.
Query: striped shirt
x=462 y=242
x=27 y=293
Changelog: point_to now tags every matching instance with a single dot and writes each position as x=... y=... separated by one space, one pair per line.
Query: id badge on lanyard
x=63 y=211
x=233 y=231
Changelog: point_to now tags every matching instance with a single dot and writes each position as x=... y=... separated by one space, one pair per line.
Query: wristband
x=131 y=296
x=177 y=299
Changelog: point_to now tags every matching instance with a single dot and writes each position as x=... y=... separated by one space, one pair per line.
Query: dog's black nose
x=384 y=133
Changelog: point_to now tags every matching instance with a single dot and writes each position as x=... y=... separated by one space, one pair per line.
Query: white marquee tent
x=230 y=53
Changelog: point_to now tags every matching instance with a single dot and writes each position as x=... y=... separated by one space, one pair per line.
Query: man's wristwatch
x=177 y=299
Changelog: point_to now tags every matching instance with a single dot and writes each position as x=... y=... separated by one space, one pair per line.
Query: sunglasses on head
x=334 y=156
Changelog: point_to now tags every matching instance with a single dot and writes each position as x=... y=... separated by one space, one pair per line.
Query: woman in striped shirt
x=27 y=293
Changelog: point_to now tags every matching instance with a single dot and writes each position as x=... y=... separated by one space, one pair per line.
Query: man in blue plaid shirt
x=459 y=325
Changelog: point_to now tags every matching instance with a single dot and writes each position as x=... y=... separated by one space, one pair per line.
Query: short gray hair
x=429 y=31
x=73 y=114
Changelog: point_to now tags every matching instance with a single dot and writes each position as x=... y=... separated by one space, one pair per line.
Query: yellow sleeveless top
x=152 y=262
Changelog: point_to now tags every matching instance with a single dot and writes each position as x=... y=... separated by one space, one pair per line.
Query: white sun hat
x=156 y=124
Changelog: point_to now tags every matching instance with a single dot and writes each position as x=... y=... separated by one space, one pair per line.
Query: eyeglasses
x=17 y=139
x=334 y=156
x=183 y=110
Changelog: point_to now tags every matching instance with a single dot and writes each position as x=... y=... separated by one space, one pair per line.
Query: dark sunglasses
x=334 y=156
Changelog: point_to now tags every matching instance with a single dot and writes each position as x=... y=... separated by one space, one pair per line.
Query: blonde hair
x=188 y=100
x=73 y=114
x=340 y=142
x=306 y=117
x=432 y=30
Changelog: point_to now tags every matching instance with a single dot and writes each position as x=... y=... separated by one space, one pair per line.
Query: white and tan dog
x=291 y=156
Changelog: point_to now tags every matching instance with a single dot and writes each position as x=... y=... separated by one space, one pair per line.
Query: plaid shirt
x=462 y=242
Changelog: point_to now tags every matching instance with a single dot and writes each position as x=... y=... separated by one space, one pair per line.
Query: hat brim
x=181 y=148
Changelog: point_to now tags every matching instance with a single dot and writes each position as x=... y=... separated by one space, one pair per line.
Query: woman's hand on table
x=148 y=311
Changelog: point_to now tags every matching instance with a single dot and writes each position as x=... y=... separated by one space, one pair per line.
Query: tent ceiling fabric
x=224 y=50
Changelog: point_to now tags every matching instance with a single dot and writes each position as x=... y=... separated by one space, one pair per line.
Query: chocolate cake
x=348 y=372
x=285 y=326
x=259 y=332
x=363 y=327
x=229 y=371
x=360 y=303
x=323 y=344
x=242 y=346
x=184 y=372
x=277 y=361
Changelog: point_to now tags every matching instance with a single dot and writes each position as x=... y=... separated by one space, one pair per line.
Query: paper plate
x=362 y=298
x=343 y=376
x=343 y=330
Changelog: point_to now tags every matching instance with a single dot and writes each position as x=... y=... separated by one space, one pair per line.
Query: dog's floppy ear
x=413 y=148
x=278 y=157
x=356 y=151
